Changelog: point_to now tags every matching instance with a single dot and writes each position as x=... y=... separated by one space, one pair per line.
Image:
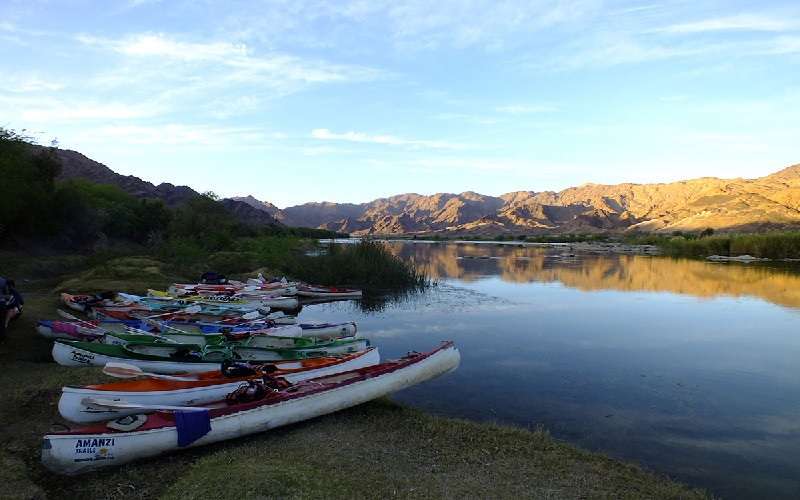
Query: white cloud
x=157 y=58
x=744 y=22
x=175 y=134
x=161 y=46
x=38 y=109
x=525 y=109
x=410 y=24
x=389 y=140
x=26 y=83
x=612 y=49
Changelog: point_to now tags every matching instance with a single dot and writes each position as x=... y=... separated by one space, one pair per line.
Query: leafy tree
x=93 y=209
x=205 y=221
x=27 y=183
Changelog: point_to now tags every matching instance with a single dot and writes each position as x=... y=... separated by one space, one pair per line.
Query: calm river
x=689 y=368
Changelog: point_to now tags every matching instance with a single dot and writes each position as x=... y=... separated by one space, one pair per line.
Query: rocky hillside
x=74 y=165
x=263 y=206
x=723 y=204
x=767 y=202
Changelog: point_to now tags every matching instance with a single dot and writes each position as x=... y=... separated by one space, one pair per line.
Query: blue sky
x=305 y=100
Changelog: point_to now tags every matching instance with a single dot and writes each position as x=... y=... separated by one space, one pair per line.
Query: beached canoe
x=281 y=337
x=319 y=330
x=210 y=314
x=237 y=301
x=83 y=302
x=95 y=329
x=327 y=292
x=252 y=286
x=103 y=445
x=160 y=357
x=82 y=330
x=196 y=389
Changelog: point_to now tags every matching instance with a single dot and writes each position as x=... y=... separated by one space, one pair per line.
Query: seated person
x=11 y=302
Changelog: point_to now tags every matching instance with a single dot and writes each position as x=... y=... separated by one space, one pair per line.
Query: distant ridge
x=769 y=202
x=75 y=165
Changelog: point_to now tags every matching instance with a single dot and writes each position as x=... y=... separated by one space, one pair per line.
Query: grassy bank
x=775 y=245
x=378 y=449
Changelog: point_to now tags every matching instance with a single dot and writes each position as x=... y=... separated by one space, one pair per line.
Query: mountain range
x=769 y=202
x=75 y=165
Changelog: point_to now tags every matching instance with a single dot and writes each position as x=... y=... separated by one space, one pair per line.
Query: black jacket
x=7 y=289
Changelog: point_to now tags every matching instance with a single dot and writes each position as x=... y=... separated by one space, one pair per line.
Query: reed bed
x=367 y=264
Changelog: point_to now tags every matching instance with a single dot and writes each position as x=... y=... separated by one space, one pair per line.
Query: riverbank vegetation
x=773 y=245
x=379 y=449
x=698 y=244
x=104 y=223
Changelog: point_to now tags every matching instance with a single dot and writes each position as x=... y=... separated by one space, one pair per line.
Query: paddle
x=64 y=314
x=162 y=326
x=124 y=405
x=130 y=329
x=193 y=309
x=255 y=315
x=124 y=370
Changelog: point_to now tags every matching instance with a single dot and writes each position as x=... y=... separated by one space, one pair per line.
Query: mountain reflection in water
x=588 y=272
x=689 y=368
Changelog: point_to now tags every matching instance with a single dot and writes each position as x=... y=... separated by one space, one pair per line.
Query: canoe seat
x=127 y=423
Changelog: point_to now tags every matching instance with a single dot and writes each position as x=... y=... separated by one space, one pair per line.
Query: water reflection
x=470 y=262
x=689 y=368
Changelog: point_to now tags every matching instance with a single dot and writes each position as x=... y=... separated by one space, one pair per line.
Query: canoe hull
x=69 y=355
x=77 y=453
x=72 y=407
x=316 y=294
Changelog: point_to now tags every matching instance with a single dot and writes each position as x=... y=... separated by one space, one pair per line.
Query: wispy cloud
x=160 y=45
x=783 y=45
x=526 y=109
x=388 y=140
x=49 y=110
x=613 y=49
x=178 y=134
x=239 y=62
x=743 y=22
x=212 y=77
x=414 y=24
x=27 y=83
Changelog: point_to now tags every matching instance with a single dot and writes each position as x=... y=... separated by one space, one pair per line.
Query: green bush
x=89 y=209
x=233 y=262
x=369 y=265
x=776 y=245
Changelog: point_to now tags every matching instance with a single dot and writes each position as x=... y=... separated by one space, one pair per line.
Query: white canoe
x=70 y=355
x=82 y=450
x=329 y=330
x=252 y=302
x=278 y=302
x=254 y=352
x=74 y=407
x=320 y=292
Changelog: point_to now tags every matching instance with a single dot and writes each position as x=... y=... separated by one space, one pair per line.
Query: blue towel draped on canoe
x=191 y=425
